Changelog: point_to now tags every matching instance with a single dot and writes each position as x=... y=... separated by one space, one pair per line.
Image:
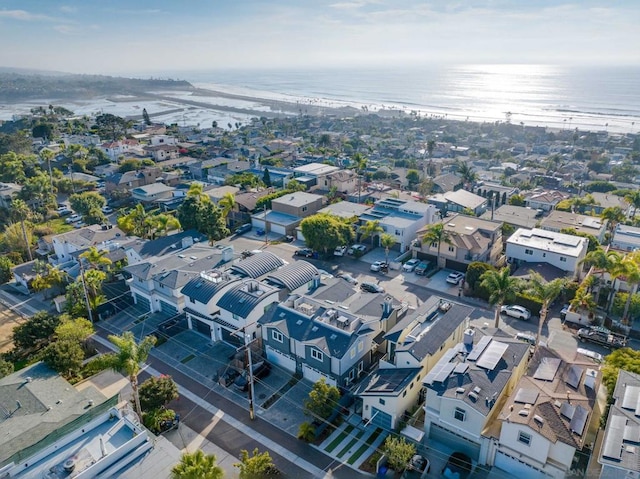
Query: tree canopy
x=256 y=466
x=323 y=399
x=324 y=232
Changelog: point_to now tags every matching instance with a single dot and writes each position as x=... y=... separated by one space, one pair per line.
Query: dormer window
x=315 y=354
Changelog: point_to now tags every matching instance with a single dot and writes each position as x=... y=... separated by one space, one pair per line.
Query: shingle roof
x=258 y=265
x=294 y=275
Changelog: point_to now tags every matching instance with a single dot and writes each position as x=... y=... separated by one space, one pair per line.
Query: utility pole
x=84 y=289
x=247 y=345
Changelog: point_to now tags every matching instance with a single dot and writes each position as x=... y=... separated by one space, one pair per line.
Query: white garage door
x=279 y=359
x=280 y=229
x=517 y=468
x=314 y=375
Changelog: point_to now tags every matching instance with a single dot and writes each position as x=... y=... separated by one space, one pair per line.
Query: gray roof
x=294 y=275
x=165 y=245
x=514 y=215
x=623 y=426
x=202 y=289
x=297 y=199
x=243 y=297
x=47 y=403
x=258 y=265
x=389 y=382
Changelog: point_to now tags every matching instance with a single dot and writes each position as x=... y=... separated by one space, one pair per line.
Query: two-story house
x=466 y=389
x=563 y=251
x=132 y=179
x=516 y=216
x=162 y=152
x=562 y=220
x=626 y=238
x=344 y=181
x=153 y=192
x=459 y=201
x=313 y=175
x=546 y=200
x=413 y=346
x=103 y=237
x=621 y=444
x=287 y=212
x=545 y=424
x=469 y=239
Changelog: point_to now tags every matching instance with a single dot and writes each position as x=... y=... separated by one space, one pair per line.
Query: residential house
x=142 y=250
x=516 y=216
x=466 y=389
x=563 y=251
x=156 y=284
x=327 y=330
x=562 y=220
x=546 y=200
x=8 y=192
x=246 y=205
x=132 y=179
x=459 y=201
x=314 y=174
x=115 y=149
x=469 y=239
x=152 y=192
x=607 y=200
x=619 y=453
x=86 y=140
x=544 y=425
x=163 y=140
x=287 y=212
x=400 y=218
x=219 y=174
x=498 y=191
x=344 y=181
x=345 y=209
x=446 y=182
x=626 y=238
x=413 y=346
x=163 y=152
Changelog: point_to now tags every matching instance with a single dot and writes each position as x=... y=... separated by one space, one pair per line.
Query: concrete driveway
x=438 y=282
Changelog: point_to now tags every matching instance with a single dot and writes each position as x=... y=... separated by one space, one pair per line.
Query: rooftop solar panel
x=632 y=433
x=461 y=368
x=631 y=397
x=547 y=369
x=579 y=420
x=567 y=410
x=479 y=348
x=612 y=447
x=492 y=355
x=526 y=396
x=444 y=373
x=574 y=375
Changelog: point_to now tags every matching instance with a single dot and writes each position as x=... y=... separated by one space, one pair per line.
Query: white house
x=626 y=238
x=103 y=237
x=565 y=252
x=546 y=423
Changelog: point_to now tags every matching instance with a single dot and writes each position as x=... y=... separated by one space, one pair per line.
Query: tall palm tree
x=128 y=359
x=466 y=172
x=387 y=241
x=370 y=229
x=631 y=266
x=227 y=203
x=633 y=197
x=96 y=258
x=360 y=162
x=545 y=292
x=21 y=212
x=436 y=234
x=598 y=259
x=502 y=286
x=614 y=215
x=583 y=300
x=165 y=223
x=197 y=465
x=616 y=270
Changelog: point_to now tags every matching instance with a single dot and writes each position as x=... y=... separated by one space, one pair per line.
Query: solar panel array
x=574 y=375
x=567 y=410
x=631 y=433
x=479 y=348
x=579 y=420
x=612 y=448
x=461 y=368
x=547 y=369
x=444 y=373
x=526 y=396
x=440 y=365
x=631 y=399
x=492 y=355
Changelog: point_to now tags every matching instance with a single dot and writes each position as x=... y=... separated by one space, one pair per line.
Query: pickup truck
x=602 y=336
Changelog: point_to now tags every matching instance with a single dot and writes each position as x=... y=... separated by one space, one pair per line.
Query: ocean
x=602 y=98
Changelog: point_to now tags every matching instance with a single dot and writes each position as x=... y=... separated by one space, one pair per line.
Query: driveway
x=438 y=282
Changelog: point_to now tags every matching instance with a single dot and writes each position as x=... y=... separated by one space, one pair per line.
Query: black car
x=304 y=252
x=371 y=288
x=288 y=239
x=459 y=465
x=260 y=370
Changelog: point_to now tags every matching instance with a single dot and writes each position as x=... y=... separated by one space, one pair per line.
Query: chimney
x=387 y=306
x=316 y=281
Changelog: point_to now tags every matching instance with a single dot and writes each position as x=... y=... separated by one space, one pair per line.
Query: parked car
x=288 y=239
x=419 y=464
x=107 y=210
x=379 y=266
x=260 y=370
x=357 y=250
x=455 y=277
x=304 y=252
x=458 y=466
x=371 y=288
x=347 y=277
x=340 y=251
x=79 y=224
x=421 y=268
x=410 y=265
x=527 y=338
x=73 y=218
x=245 y=228
x=324 y=272
x=516 y=311
x=64 y=212
x=597 y=357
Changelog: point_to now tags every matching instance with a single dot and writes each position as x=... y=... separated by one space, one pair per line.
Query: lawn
x=58 y=226
x=361 y=450
x=347 y=430
x=351 y=444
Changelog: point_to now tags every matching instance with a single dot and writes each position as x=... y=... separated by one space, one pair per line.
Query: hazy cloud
x=22 y=15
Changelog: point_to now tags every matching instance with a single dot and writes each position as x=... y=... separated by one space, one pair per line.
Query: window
x=360 y=346
x=451 y=248
x=235 y=316
x=544 y=255
x=353 y=353
x=315 y=354
x=524 y=438
x=434 y=244
x=360 y=366
x=563 y=259
x=404 y=393
x=192 y=300
x=304 y=208
x=277 y=336
x=398 y=233
x=528 y=251
x=382 y=401
x=459 y=414
x=352 y=374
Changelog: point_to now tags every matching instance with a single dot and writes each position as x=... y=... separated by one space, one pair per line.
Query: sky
x=126 y=37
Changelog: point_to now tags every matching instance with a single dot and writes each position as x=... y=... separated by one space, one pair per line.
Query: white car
x=410 y=265
x=73 y=218
x=516 y=311
x=357 y=249
x=455 y=278
x=379 y=266
x=340 y=251
x=107 y=210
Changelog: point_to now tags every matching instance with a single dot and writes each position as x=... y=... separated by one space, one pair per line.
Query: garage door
x=454 y=441
x=201 y=327
x=518 y=468
x=314 y=375
x=280 y=359
x=456 y=266
x=380 y=419
x=142 y=302
x=231 y=338
x=280 y=229
x=167 y=308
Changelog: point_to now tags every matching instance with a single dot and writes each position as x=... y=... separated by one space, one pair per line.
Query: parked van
x=527 y=338
x=245 y=228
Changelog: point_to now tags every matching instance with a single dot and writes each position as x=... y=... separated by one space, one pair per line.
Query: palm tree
x=96 y=258
x=600 y=260
x=166 y=223
x=544 y=292
x=633 y=197
x=387 y=241
x=614 y=215
x=583 y=300
x=21 y=212
x=631 y=267
x=370 y=229
x=616 y=271
x=128 y=359
x=197 y=465
x=360 y=162
x=502 y=286
x=436 y=234
x=466 y=172
x=227 y=203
